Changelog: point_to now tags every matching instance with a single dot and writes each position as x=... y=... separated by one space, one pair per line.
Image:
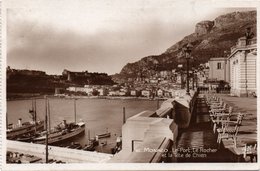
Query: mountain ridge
x=210 y=39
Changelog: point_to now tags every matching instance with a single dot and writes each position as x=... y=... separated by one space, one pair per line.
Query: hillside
x=21 y=82
x=210 y=39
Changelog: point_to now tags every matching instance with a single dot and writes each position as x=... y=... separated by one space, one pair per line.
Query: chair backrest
x=239 y=122
x=224 y=105
x=230 y=110
x=240 y=117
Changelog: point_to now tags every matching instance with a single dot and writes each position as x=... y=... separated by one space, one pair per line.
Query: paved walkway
x=199 y=137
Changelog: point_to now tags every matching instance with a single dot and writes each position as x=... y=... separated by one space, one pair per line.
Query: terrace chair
x=220 y=116
x=216 y=104
x=222 y=106
x=230 y=129
x=250 y=150
x=214 y=111
x=211 y=99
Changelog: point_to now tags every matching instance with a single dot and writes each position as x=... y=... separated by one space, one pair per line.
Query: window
x=219 y=65
x=135 y=143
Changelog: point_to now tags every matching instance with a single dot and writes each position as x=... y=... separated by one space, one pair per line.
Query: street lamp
x=180 y=66
x=193 y=77
x=249 y=35
x=187 y=51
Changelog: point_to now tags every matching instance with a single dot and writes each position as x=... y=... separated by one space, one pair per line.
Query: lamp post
x=196 y=78
x=193 y=77
x=180 y=66
x=187 y=51
x=249 y=35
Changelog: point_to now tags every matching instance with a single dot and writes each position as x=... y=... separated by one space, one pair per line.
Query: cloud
x=101 y=39
x=37 y=46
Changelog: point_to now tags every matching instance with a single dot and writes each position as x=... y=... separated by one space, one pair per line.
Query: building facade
x=219 y=69
x=243 y=67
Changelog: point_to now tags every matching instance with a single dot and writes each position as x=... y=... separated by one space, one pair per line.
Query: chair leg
x=214 y=128
x=235 y=142
x=219 y=139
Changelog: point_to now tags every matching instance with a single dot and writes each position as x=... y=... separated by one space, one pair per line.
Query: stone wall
x=148 y=136
x=58 y=153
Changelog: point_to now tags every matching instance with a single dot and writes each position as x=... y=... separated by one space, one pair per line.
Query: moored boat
x=75 y=145
x=62 y=132
x=92 y=145
x=25 y=129
x=20 y=129
x=105 y=135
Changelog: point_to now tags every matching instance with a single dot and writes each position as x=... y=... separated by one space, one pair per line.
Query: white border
x=165 y=166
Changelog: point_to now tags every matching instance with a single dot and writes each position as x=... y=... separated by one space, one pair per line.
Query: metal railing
x=222 y=90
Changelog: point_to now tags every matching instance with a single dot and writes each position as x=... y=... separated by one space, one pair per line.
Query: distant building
x=160 y=93
x=87 y=90
x=103 y=91
x=72 y=75
x=219 y=69
x=146 y=93
x=114 y=93
x=133 y=93
x=242 y=62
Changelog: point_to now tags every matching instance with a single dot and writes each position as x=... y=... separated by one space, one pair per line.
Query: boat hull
x=60 y=138
x=105 y=135
x=26 y=129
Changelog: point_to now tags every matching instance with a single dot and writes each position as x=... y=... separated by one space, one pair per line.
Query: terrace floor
x=198 y=143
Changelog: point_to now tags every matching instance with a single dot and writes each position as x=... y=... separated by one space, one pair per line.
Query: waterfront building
x=71 y=89
x=122 y=93
x=219 y=69
x=87 y=90
x=242 y=62
x=146 y=93
x=160 y=93
x=133 y=93
x=113 y=93
x=102 y=91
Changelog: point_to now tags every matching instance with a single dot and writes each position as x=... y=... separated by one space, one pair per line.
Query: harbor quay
x=64 y=155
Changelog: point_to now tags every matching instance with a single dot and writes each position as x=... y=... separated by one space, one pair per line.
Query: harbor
x=105 y=129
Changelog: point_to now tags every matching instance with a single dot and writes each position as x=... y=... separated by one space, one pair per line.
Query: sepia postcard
x=129 y=85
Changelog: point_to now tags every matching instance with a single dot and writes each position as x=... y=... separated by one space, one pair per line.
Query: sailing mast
x=123 y=115
x=49 y=116
x=35 y=115
x=75 y=111
x=6 y=121
x=46 y=126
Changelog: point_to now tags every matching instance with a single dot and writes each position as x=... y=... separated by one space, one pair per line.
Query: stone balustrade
x=150 y=136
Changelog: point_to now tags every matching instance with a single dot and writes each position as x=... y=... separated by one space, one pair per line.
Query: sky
x=100 y=35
